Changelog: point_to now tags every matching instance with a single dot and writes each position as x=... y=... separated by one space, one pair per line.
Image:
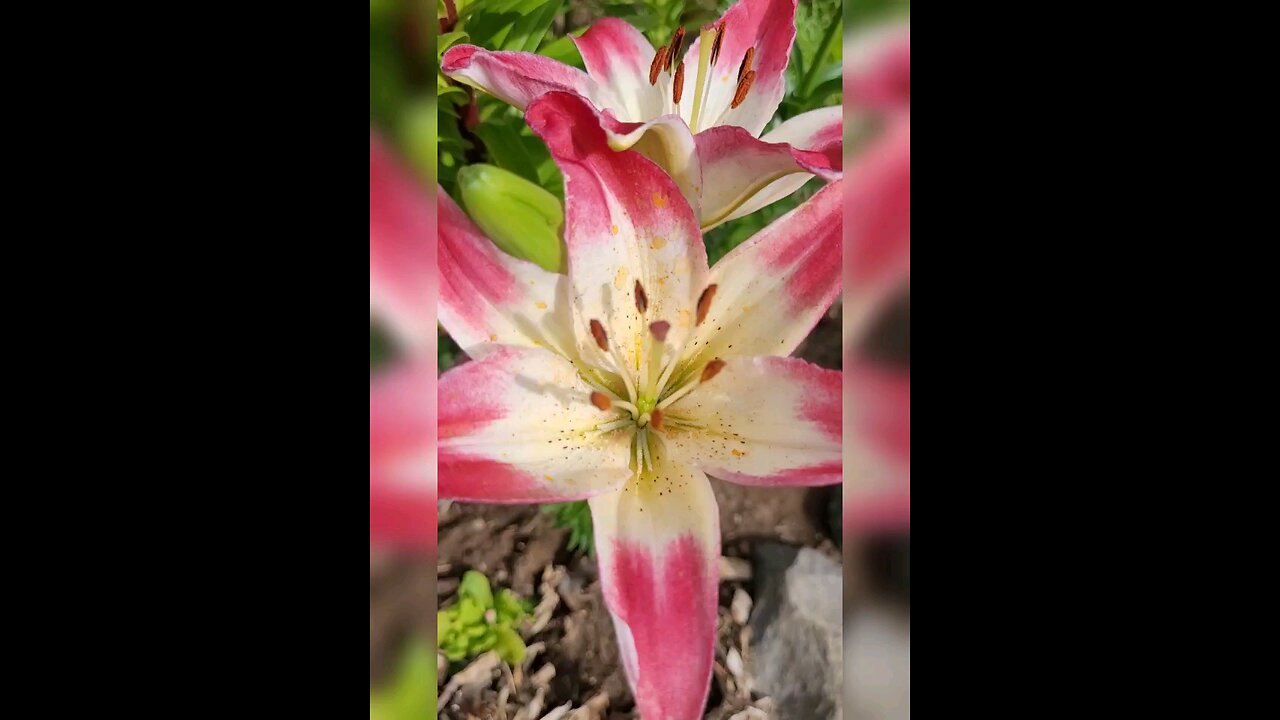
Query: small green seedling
x=481 y=621
x=576 y=516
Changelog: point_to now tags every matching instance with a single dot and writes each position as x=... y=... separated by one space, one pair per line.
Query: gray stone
x=879 y=656
x=796 y=658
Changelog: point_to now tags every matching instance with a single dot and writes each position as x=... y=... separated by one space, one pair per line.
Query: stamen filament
x=610 y=350
x=614 y=425
x=711 y=370
x=704 y=58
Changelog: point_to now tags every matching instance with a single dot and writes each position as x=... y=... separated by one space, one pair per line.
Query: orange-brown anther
x=677 y=88
x=677 y=42
x=642 y=300
x=600 y=400
x=659 y=330
x=744 y=85
x=656 y=66
x=746 y=63
x=715 y=46
x=597 y=332
x=704 y=302
x=712 y=369
x=655 y=419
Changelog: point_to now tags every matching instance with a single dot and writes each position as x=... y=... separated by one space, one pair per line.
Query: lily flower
x=402 y=412
x=877 y=269
x=699 y=114
x=635 y=375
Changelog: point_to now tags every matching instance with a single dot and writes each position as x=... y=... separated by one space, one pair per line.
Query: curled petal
x=518 y=77
x=768 y=26
x=658 y=545
x=817 y=131
x=773 y=288
x=518 y=426
x=763 y=421
x=737 y=168
x=489 y=298
x=666 y=141
x=625 y=220
x=402 y=456
x=402 y=258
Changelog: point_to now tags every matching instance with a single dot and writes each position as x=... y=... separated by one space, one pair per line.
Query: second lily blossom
x=698 y=116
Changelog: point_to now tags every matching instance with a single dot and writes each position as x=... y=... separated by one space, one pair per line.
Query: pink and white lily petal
x=763 y=421
x=402 y=258
x=402 y=456
x=617 y=56
x=489 y=298
x=625 y=221
x=518 y=426
x=658 y=545
x=519 y=77
x=878 y=447
x=877 y=259
x=737 y=168
x=769 y=26
x=818 y=131
x=772 y=289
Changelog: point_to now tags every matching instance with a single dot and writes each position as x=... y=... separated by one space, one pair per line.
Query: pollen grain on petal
x=660 y=330
x=597 y=332
x=540 y=305
x=704 y=302
x=642 y=300
x=712 y=369
x=659 y=201
x=620 y=278
x=658 y=242
x=613 y=229
x=600 y=400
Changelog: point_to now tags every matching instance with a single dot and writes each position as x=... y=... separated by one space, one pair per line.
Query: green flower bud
x=520 y=217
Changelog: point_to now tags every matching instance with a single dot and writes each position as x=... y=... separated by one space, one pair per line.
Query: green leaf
x=576 y=516
x=511 y=24
x=509 y=607
x=412 y=693
x=509 y=645
x=563 y=50
x=475 y=586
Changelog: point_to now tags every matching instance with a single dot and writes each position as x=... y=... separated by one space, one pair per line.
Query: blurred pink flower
x=627 y=379
x=877 y=264
x=707 y=134
x=402 y=401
